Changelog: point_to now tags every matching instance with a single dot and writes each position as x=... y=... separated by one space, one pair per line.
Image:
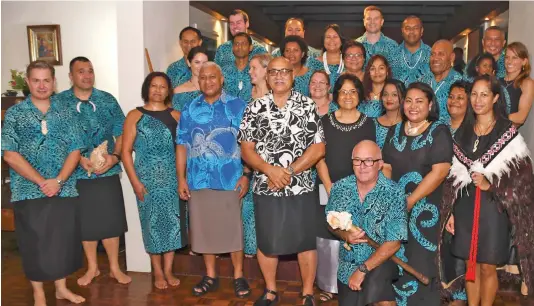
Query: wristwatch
x=363 y=268
x=60 y=182
x=248 y=174
x=291 y=170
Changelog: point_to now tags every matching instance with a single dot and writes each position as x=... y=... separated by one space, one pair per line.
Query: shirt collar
x=91 y=97
x=290 y=99
x=379 y=40
x=381 y=181
x=224 y=98
x=421 y=47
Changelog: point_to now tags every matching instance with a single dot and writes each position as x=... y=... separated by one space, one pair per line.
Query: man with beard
x=441 y=75
x=239 y=23
x=374 y=41
x=236 y=78
x=179 y=72
x=413 y=56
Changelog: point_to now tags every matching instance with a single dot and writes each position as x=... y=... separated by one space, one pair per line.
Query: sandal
x=240 y=285
x=308 y=300
x=263 y=301
x=207 y=284
x=326 y=296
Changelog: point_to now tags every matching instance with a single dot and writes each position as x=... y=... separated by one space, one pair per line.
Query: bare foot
x=160 y=282
x=39 y=299
x=173 y=281
x=66 y=294
x=120 y=277
x=88 y=277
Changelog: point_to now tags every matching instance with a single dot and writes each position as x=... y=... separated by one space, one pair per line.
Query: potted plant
x=18 y=83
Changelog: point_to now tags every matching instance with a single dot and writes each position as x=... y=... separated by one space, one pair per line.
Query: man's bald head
x=367 y=162
x=280 y=62
x=441 y=57
x=367 y=149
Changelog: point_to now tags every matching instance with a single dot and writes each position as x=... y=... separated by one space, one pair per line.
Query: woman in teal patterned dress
x=377 y=72
x=331 y=61
x=295 y=49
x=150 y=131
x=391 y=96
x=258 y=72
x=189 y=90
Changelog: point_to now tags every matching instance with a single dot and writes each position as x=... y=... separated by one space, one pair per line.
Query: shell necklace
x=412 y=130
x=325 y=64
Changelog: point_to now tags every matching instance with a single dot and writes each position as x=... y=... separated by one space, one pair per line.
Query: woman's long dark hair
x=367 y=82
x=336 y=28
x=146 y=86
x=499 y=107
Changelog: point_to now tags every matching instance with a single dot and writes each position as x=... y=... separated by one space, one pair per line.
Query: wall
x=208 y=25
x=95 y=38
x=162 y=23
x=520 y=29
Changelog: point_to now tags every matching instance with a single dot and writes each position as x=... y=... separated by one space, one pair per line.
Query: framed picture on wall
x=44 y=42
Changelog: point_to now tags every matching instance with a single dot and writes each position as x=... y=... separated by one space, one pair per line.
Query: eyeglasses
x=367 y=162
x=352 y=92
x=353 y=55
x=283 y=72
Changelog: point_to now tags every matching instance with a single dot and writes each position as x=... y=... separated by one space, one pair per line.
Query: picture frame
x=44 y=43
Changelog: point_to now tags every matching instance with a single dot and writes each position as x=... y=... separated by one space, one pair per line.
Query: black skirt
x=493 y=231
x=286 y=225
x=48 y=237
x=376 y=287
x=102 y=212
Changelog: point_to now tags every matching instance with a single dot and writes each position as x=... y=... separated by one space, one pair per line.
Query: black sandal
x=207 y=284
x=263 y=301
x=309 y=300
x=240 y=285
x=326 y=296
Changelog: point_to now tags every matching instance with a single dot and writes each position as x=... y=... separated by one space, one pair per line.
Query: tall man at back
x=373 y=39
x=239 y=22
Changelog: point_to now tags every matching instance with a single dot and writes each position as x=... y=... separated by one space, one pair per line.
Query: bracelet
x=117 y=156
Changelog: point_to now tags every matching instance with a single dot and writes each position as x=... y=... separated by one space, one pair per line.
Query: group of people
x=248 y=154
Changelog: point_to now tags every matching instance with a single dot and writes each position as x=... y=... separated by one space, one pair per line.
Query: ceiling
x=441 y=19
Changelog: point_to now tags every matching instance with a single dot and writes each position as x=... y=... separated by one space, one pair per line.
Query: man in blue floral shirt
x=41 y=143
x=212 y=178
x=102 y=212
x=378 y=207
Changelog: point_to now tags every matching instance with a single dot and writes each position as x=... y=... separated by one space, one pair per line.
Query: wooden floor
x=16 y=290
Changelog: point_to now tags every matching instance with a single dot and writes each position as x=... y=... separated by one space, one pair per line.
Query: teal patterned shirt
x=441 y=90
x=384 y=46
x=179 y=72
x=224 y=55
x=408 y=67
x=382 y=216
x=180 y=100
x=103 y=121
x=22 y=134
x=237 y=82
x=371 y=108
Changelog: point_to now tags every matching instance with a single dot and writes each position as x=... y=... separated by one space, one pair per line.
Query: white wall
x=162 y=23
x=81 y=34
x=520 y=28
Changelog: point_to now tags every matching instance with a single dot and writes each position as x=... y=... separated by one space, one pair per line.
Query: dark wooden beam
x=312 y=8
x=471 y=15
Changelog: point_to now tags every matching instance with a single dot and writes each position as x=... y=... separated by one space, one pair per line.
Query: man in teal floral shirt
x=378 y=207
x=41 y=143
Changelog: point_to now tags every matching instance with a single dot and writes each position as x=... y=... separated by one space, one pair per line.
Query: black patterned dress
x=412 y=158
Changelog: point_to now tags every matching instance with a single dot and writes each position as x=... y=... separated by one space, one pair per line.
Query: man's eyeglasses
x=367 y=162
x=352 y=56
x=352 y=92
x=283 y=72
